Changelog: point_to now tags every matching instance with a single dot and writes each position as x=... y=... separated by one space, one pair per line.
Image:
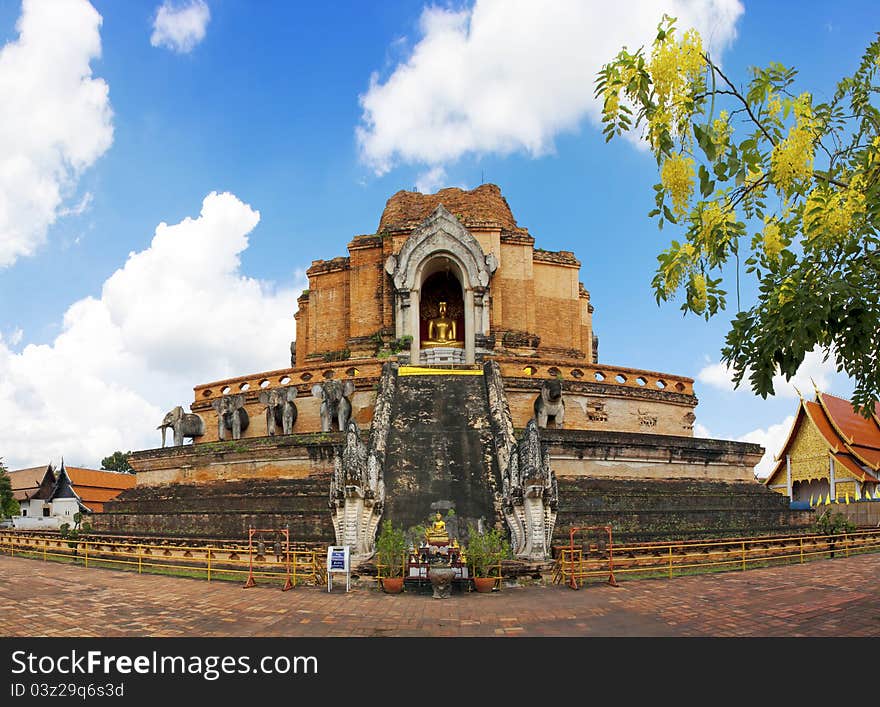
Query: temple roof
x=25 y=482
x=856 y=429
x=853 y=440
x=484 y=206
x=91 y=486
x=94 y=488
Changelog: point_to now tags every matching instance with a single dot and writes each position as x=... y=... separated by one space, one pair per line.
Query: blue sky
x=313 y=116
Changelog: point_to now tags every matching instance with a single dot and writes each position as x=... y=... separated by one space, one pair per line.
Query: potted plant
x=390 y=556
x=485 y=551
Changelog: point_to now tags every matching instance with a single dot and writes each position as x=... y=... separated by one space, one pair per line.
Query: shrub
x=391 y=549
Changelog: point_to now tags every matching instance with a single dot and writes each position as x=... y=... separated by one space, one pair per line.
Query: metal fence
x=576 y=565
x=227 y=561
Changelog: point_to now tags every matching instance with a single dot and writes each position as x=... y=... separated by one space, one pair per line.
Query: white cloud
x=180 y=26
x=429 y=181
x=814 y=368
x=55 y=118
x=510 y=75
x=702 y=431
x=772 y=439
x=176 y=314
x=81 y=206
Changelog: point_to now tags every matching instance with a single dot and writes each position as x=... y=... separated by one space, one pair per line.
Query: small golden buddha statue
x=436 y=534
x=442 y=331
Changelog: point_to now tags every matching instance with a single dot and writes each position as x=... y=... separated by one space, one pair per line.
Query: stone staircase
x=440 y=452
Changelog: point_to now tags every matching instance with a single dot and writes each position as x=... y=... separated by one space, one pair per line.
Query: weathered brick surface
x=674 y=509
x=605 y=411
x=480 y=207
x=440 y=449
x=836 y=597
x=287 y=457
x=223 y=509
x=329 y=305
x=351 y=298
x=366 y=296
x=308 y=418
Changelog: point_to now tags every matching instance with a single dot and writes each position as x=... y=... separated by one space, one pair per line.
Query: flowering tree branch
x=814 y=251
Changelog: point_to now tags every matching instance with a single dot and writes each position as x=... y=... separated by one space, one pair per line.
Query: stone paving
x=839 y=597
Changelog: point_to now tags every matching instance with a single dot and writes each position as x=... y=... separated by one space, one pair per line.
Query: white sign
x=338 y=561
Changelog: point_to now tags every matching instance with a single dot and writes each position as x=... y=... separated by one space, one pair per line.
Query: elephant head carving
x=231 y=416
x=280 y=409
x=335 y=403
x=183 y=424
x=550 y=403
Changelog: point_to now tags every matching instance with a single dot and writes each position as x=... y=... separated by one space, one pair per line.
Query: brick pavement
x=839 y=597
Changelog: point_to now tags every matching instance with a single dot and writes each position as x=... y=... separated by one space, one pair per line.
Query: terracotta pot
x=484 y=584
x=392 y=585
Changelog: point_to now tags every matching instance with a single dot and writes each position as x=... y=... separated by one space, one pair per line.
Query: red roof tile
x=852 y=426
x=854 y=467
x=99 y=479
x=25 y=482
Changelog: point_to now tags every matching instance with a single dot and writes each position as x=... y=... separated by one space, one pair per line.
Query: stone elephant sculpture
x=231 y=416
x=280 y=410
x=183 y=424
x=335 y=403
x=550 y=403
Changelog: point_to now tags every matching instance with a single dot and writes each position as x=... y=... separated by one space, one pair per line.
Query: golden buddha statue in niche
x=442 y=331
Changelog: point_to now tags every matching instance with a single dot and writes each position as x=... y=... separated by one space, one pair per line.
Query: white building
x=58 y=498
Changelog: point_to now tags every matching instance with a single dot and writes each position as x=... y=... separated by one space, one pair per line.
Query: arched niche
x=441 y=283
x=441 y=243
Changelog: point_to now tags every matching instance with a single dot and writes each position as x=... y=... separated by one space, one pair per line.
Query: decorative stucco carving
x=231 y=415
x=441 y=232
x=442 y=241
x=529 y=493
x=647 y=419
x=335 y=400
x=357 y=493
x=280 y=409
x=357 y=487
x=550 y=403
x=183 y=424
x=529 y=497
x=596 y=411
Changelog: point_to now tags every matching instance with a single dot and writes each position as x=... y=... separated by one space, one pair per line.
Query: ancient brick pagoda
x=446 y=363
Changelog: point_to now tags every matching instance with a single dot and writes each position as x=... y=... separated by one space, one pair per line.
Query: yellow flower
x=874 y=155
x=756 y=191
x=772 y=239
x=677 y=177
x=698 y=293
x=714 y=224
x=831 y=216
x=791 y=161
x=721 y=128
x=786 y=291
x=612 y=103
x=675 y=70
x=661 y=121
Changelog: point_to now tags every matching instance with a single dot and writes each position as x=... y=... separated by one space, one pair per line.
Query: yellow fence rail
x=228 y=561
x=577 y=565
